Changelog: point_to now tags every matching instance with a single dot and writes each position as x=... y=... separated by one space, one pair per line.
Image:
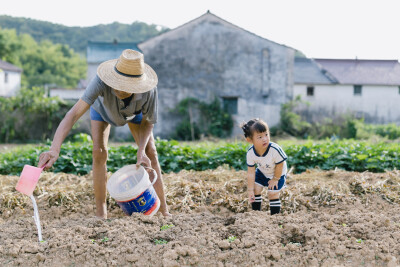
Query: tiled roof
x=98 y=52
x=307 y=71
x=363 y=72
x=9 y=67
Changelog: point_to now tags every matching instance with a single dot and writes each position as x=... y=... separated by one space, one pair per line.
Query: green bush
x=30 y=115
x=365 y=131
x=199 y=118
x=344 y=126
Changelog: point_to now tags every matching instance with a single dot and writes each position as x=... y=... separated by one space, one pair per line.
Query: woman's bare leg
x=100 y=134
x=151 y=152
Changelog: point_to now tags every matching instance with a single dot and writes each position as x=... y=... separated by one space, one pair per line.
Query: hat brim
x=112 y=78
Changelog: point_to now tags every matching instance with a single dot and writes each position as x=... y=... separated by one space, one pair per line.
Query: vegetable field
x=341 y=208
x=350 y=155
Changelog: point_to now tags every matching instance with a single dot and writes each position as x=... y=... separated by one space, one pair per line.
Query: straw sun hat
x=128 y=73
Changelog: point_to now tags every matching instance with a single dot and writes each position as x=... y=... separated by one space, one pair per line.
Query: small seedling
x=93 y=241
x=280 y=226
x=160 y=241
x=344 y=225
x=359 y=241
x=42 y=241
x=231 y=238
x=166 y=226
x=105 y=239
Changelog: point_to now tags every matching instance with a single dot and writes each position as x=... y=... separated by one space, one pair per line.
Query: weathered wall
x=377 y=104
x=13 y=84
x=208 y=58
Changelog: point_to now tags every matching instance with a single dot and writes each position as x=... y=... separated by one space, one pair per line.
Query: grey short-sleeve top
x=113 y=110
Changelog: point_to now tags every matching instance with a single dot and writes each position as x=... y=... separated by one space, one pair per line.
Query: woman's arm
x=143 y=133
x=48 y=158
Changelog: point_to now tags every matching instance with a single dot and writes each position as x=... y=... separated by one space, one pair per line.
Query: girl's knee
x=273 y=195
x=100 y=155
x=258 y=189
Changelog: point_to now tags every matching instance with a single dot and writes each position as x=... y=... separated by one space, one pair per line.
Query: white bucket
x=132 y=190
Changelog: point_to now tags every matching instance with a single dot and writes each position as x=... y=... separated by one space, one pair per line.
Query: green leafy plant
x=231 y=238
x=166 y=226
x=173 y=156
x=104 y=239
x=160 y=241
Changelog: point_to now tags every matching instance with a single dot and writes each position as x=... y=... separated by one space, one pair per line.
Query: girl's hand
x=251 y=196
x=47 y=158
x=272 y=184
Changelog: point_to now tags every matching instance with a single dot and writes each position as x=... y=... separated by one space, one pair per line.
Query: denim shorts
x=263 y=181
x=95 y=116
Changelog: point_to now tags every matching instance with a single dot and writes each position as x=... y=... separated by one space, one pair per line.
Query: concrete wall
x=377 y=104
x=13 y=84
x=91 y=71
x=209 y=57
x=69 y=94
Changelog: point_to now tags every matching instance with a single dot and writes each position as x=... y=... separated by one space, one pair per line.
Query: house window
x=5 y=77
x=230 y=105
x=310 y=90
x=357 y=90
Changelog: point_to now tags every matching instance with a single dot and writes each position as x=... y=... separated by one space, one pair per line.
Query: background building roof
x=98 y=52
x=307 y=71
x=9 y=67
x=362 y=72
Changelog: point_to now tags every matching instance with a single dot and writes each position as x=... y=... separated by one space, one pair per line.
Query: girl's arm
x=251 y=175
x=48 y=158
x=278 y=171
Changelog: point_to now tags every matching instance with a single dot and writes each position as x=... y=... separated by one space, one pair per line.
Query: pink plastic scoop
x=28 y=179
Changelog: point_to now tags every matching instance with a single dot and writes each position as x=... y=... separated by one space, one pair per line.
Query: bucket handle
x=155 y=174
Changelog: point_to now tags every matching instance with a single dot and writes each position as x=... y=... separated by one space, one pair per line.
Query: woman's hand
x=142 y=159
x=47 y=158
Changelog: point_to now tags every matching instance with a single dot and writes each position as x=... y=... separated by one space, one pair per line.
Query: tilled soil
x=333 y=218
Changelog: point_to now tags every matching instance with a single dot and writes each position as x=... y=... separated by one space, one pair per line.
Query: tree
x=42 y=63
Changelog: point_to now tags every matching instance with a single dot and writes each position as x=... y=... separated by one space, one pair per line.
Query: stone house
x=209 y=58
x=368 y=89
x=98 y=52
x=10 y=79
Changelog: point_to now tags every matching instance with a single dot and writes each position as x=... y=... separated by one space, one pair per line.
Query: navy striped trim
x=265 y=153
x=281 y=153
x=275 y=203
x=280 y=149
x=280 y=161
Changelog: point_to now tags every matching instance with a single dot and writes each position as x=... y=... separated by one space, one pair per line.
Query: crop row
x=76 y=157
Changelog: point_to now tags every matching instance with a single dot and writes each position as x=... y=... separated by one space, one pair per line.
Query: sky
x=363 y=29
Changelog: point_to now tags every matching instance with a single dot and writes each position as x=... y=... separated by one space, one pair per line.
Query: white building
x=365 y=88
x=10 y=79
